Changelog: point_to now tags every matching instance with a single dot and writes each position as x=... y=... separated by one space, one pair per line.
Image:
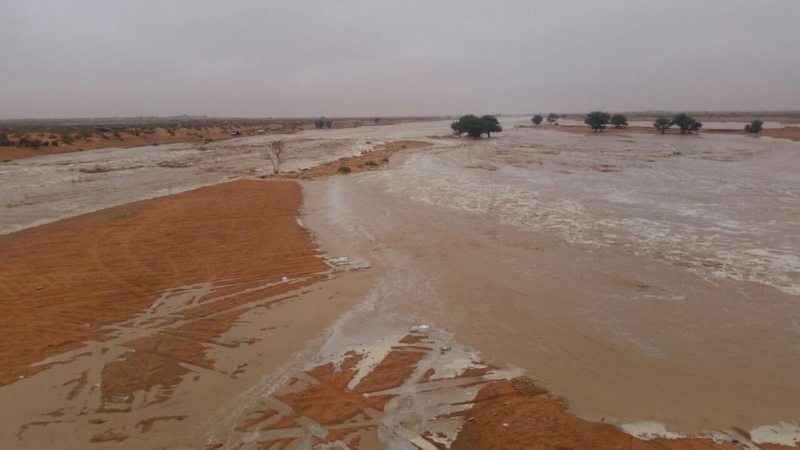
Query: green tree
x=695 y=127
x=471 y=125
x=491 y=125
x=619 y=120
x=475 y=126
x=754 y=127
x=457 y=128
x=662 y=124
x=537 y=119
x=552 y=118
x=684 y=122
x=597 y=120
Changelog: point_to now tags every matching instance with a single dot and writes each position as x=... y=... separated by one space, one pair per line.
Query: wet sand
x=649 y=280
x=152 y=315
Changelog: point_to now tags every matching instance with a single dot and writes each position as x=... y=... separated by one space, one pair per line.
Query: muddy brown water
x=643 y=277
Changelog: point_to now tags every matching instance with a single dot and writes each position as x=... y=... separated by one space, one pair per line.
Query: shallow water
x=645 y=277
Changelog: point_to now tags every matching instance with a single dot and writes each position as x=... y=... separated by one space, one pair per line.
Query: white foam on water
x=781 y=434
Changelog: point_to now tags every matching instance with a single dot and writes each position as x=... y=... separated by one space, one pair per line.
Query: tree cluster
x=322 y=123
x=685 y=122
x=476 y=126
x=25 y=142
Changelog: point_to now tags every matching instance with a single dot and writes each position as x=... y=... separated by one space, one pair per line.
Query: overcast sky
x=85 y=58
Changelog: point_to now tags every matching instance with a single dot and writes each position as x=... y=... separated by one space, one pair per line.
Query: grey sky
x=261 y=58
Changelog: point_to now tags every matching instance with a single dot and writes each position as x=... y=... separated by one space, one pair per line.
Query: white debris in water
x=781 y=434
x=649 y=430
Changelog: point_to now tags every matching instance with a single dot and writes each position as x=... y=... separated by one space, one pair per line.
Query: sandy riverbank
x=154 y=312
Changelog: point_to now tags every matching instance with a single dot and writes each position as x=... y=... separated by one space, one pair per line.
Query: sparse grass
x=528 y=386
x=560 y=401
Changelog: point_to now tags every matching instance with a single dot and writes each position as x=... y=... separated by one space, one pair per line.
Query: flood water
x=643 y=277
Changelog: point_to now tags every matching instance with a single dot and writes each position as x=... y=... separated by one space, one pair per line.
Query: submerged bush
x=754 y=126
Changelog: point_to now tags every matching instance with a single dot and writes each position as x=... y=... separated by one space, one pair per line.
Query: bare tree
x=275 y=155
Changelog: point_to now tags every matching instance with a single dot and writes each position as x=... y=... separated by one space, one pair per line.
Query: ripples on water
x=723 y=207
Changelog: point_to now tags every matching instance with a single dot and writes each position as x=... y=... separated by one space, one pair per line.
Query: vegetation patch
x=96 y=169
x=174 y=164
x=528 y=386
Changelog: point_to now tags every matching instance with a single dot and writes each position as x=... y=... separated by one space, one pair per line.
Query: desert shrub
x=619 y=120
x=754 y=126
x=85 y=134
x=686 y=123
x=117 y=135
x=371 y=163
x=5 y=141
x=66 y=139
x=662 y=124
x=597 y=120
x=345 y=169
x=385 y=159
